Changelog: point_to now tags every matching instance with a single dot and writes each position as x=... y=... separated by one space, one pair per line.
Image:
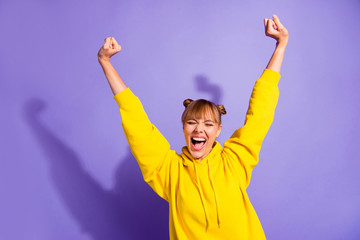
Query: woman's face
x=200 y=135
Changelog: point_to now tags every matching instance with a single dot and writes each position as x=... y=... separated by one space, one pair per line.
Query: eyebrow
x=208 y=120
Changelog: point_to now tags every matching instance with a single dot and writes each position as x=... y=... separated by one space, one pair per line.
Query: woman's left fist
x=275 y=29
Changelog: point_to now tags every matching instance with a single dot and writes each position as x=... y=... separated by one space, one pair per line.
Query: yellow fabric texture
x=207 y=199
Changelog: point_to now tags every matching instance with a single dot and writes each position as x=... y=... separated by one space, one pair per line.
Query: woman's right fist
x=109 y=48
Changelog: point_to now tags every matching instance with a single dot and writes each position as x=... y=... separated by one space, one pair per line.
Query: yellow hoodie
x=207 y=199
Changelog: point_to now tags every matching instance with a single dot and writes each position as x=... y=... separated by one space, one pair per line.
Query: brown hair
x=199 y=108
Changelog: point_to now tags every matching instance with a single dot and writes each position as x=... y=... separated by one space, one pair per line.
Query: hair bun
x=187 y=102
x=221 y=109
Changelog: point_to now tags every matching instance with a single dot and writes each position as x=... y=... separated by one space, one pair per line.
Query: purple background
x=65 y=167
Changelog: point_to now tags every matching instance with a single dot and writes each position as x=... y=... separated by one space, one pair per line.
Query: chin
x=196 y=155
x=201 y=154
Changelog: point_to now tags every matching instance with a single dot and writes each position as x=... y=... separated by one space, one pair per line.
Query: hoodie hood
x=209 y=160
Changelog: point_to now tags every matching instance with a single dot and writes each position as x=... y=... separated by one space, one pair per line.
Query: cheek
x=213 y=134
x=186 y=132
x=188 y=129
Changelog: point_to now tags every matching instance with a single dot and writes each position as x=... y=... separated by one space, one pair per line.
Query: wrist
x=281 y=45
x=103 y=60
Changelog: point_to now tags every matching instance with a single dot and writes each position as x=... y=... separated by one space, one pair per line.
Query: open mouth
x=198 y=143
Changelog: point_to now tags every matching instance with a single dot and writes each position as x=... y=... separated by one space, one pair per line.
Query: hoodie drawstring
x=202 y=195
x=215 y=195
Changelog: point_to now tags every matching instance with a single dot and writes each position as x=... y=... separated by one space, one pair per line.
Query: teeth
x=199 y=139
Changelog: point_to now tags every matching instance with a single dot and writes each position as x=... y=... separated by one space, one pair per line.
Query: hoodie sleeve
x=243 y=148
x=149 y=147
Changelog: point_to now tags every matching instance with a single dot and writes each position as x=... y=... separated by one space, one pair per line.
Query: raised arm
x=243 y=148
x=149 y=147
x=110 y=48
x=277 y=31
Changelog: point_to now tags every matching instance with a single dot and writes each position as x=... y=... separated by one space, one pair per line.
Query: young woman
x=205 y=185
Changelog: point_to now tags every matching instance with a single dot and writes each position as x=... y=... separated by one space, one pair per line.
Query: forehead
x=202 y=113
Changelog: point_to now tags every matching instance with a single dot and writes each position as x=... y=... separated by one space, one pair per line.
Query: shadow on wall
x=203 y=85
x=129 y=211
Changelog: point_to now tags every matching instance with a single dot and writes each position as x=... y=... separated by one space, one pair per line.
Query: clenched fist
x=109 y=48
x=274 y=29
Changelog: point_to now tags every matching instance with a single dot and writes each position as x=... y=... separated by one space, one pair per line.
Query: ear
x=219 y=130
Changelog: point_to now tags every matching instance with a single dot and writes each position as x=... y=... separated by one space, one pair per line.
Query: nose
x=199 y=128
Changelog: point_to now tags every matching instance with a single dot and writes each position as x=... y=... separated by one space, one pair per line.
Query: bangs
x=201 y=109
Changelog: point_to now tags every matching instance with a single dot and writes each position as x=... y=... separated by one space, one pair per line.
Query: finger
x=112 y=44
x=277 y=22
x=272 y=25
x=116 y=44
x=107 y=42
x=265 y=20
x=269 y=25
x=114 y=41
